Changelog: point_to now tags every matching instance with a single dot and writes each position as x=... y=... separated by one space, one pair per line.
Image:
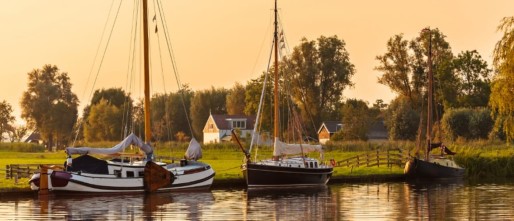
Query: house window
x=239 y=124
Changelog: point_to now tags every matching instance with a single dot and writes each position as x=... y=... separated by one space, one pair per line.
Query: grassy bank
x=481 y=159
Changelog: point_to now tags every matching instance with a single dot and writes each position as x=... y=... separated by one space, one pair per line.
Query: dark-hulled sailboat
x=432 y=166
x=282 y=171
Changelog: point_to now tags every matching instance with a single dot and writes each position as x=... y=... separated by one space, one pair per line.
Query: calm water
x=366 y=201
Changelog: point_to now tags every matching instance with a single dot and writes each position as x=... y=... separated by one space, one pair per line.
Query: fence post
x=8 y=173
x=378 y=159
x=388 y=165
x=367 y=159
x=358 y=161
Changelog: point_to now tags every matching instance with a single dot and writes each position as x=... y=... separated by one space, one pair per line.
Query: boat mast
x=275 y=90
x=148 y=132
x=430 y=94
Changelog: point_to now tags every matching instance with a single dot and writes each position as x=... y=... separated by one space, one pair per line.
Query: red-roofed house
x=218 y=127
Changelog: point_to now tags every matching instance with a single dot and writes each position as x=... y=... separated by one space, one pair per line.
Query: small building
x=218 y=127
x=34 y=137
x=327 y=129
x=376 y=132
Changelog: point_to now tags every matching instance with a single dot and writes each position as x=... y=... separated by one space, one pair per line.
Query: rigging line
x=174 y=65
x=166 y=117
x=100 y=65
x=259 y=109
x=266 y=34
x=126 y=122
x=98 y=49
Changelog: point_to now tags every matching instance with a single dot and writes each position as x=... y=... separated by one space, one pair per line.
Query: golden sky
x=220 y=42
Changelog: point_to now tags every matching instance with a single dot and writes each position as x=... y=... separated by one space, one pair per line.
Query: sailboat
x=88 y=174
x=283 y=171
x=433 y=166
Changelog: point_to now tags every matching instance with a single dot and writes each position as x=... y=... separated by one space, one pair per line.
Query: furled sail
x=194 y=150
x=131 y=139
x=282 y=148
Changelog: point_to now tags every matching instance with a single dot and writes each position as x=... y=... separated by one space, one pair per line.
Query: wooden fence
x=377 y=158
x=15 y=171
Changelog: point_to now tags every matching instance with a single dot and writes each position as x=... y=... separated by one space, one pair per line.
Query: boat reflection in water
x=182 y=205
x=295 y=203
x=358 y=201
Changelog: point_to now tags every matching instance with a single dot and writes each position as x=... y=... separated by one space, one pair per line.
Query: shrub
x=22 y=147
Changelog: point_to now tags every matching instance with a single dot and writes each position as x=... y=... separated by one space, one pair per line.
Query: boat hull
x=259 y=175
x=417 y=168
x=64 y=181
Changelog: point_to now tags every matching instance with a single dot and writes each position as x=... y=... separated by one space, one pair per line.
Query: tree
x=203 y=103
x=405 y=67
x=6 y=118
x=17 y=133
x=318 y=73
x=236 y=100
x=113 y=96
x=170 y=114
x=357 y=118
x=502 y=89
x=117 y=105
x=104 y=122
x=402 y=120
x=49 y=105
x=474 y=78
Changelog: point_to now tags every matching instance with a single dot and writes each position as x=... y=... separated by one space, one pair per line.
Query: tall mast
x=430 y=93
x=275 y=91
x=148 y=132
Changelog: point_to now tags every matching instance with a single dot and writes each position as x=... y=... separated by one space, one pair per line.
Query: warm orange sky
x=219 y=42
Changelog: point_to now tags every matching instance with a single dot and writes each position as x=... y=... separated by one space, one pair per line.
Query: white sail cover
x=194 y=150
x=131 y=139
x=282 y=148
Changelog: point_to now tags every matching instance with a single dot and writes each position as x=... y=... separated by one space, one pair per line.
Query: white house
x=218 y=127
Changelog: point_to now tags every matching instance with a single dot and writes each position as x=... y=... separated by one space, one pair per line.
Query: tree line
x=472 y=100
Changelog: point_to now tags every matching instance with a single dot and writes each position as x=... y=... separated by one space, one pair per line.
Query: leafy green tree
x=318 y=73
x=170 y=113
x=6 y=118
x=49 y=105
x=402 y=120
x=474 y=76
x=405 y=67
x=115 y=97
x=502 y=96
x=206 y=102
x=104 y=123
x=356 y=119
x=236 y=99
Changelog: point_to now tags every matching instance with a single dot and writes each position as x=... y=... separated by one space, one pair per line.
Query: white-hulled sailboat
x=87 y=174
x=281 y=170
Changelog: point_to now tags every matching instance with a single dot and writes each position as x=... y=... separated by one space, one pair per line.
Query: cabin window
x=311 y=165
x=316 y=164
x=239 y=124
x=117 y=173
x=141 y=174
x=130 y=173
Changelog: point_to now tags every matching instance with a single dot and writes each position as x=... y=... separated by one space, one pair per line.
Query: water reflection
x=304 y=203
x=364 y=201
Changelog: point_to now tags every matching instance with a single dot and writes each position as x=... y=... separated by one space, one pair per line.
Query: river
x=359 y=201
